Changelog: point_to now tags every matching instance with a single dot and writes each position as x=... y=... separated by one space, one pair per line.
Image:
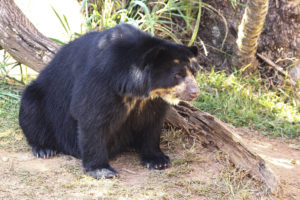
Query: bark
x=28 y=46
x=249 y=32
x=21 y=39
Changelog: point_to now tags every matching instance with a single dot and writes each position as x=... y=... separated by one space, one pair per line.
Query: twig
x=129 y=171
x=204 y=48
x=276 y=67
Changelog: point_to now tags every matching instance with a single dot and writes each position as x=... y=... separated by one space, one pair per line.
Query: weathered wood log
x=211 y=131
x=28 y=46
x=21 y=39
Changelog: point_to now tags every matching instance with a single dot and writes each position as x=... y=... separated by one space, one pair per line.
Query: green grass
x=244 y=102
x=11 y=136
x=9 y=104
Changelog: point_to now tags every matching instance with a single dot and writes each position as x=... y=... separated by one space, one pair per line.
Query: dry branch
x=277 y=68
x=21 y=39
x=28 y=46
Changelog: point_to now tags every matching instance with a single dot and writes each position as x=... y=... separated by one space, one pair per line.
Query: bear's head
x=168 y=71
x=173 y=74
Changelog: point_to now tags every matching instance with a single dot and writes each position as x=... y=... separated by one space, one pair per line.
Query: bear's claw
x=155 y=161
x=43 y=153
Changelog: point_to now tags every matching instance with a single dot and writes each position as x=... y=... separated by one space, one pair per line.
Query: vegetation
x=157 y=17
x=245 y=102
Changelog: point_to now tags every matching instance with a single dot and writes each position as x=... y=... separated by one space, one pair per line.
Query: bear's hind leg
x=34 y=124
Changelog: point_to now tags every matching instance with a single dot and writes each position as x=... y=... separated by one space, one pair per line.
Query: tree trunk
x=28 y=46
x=21 y=39
x=249 y=32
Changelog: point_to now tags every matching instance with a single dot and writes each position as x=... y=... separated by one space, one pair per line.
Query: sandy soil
x=196 y=173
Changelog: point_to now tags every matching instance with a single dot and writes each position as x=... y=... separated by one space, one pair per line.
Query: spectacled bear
x=106 y=92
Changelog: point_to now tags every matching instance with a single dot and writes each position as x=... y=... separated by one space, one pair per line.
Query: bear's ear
x=194 y=50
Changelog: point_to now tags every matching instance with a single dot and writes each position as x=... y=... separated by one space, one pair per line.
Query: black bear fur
x=106 y=92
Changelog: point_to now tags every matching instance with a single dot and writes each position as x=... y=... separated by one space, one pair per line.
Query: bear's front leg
x=151 y=155
x=92 y=142
x=147 y=130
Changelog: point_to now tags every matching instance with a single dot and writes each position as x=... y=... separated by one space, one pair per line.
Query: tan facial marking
x=176 y=61
x=193 y=59
x=158 y=92
x=167 y=94
x=171 y=99
x=174 y=95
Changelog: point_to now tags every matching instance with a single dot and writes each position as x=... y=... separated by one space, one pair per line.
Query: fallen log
x=28 y=46
x=213 y=132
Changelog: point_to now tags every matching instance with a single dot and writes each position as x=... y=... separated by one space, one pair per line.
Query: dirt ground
x=196 y=173
x=283 y=157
